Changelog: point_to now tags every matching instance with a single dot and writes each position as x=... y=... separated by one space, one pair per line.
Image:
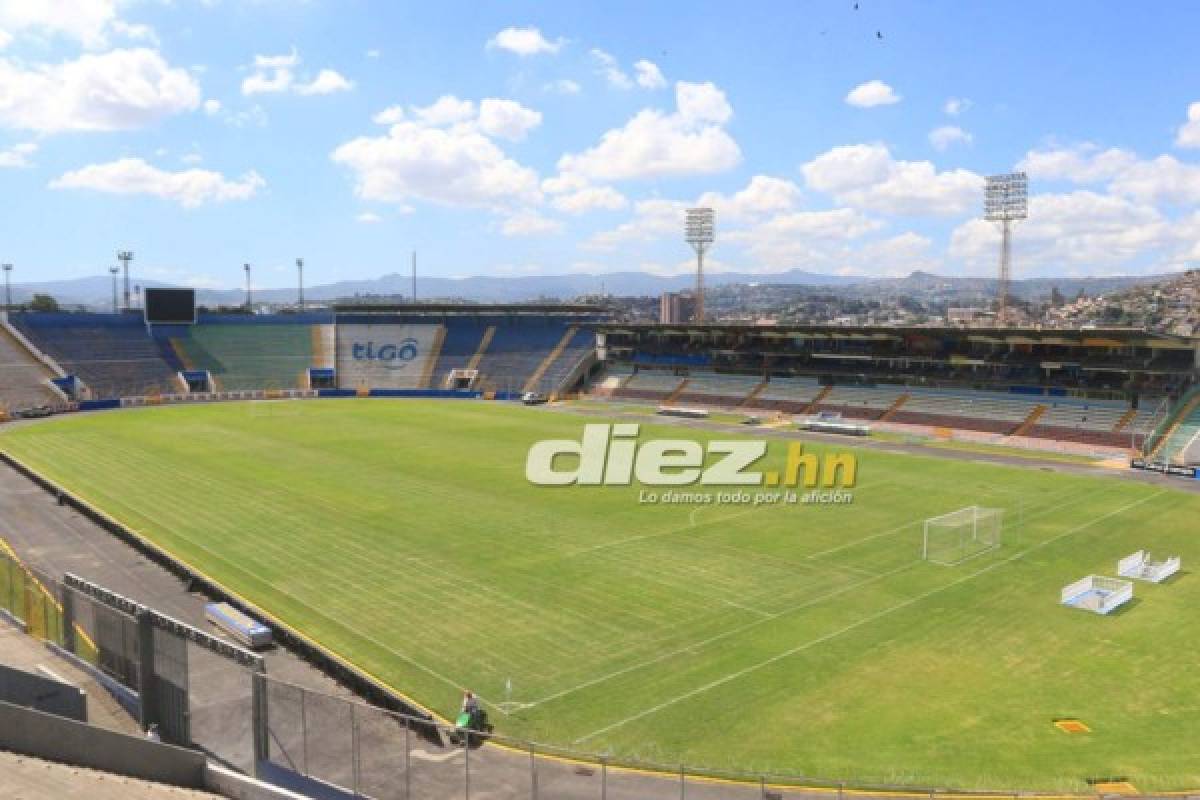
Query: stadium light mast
x=7 y=290
x=113 y=271
x=125 y=256
x=249 y=296
x=1005 y=200
x=699 y=229
x=300 y=283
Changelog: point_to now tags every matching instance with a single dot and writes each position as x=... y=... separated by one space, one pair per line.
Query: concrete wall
x=65 y=741
x=29 y=690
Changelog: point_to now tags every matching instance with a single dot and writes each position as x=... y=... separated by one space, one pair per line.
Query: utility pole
x=249 y=296
x=300 y=282
x=113 y=271
x=125 y=256
x=7 y=289
x=414 y=276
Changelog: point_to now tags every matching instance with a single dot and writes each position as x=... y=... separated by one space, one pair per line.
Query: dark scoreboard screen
x=171 y=306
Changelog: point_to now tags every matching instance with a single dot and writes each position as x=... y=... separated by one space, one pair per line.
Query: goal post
x=960 y=535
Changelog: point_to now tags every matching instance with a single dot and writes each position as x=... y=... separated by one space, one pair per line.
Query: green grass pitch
x=791 y=639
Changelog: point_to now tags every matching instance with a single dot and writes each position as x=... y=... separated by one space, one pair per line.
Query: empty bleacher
x=249 y=356
x=791 y=395
x=24 y=380
x=1183 y=444
x=861 y=402
x=581 y=344
x=655 y=385
x=712 y=388
x=113 y=354
x=516 y=351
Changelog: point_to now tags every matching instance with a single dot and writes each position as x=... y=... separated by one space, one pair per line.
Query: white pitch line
x=855 y=625
x=423 y=755
x=733 y=631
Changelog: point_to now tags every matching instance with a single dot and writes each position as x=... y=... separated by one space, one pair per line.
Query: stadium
x=358 y=480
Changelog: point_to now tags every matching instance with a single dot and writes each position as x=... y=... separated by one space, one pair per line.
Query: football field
x=798 y=639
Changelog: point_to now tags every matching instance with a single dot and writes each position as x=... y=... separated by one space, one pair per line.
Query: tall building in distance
x=675 y=308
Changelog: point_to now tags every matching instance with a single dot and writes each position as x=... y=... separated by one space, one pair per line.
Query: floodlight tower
x=113 y=271
x=300 y=282
x=1005 y=200
x=125 y=256
x=699 y=229
x=7 y=290
x=249 y=296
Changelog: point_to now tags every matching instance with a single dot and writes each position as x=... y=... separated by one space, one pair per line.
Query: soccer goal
x=961 y=535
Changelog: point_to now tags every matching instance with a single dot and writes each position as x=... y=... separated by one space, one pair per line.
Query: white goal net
x=963 y=534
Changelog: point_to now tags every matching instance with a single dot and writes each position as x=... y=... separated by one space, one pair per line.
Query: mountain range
x=96 y=292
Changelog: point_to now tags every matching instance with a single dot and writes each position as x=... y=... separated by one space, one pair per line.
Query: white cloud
x=866 y=176
x=607 y=66
x=524 y=42
x=212 y=106
x=529 y=223
x=764 y=194
x=1081 y=229
x=446 y=110
x=590 y=198
x=456 y=166
x=507 y=119
x=1189 y=132
x=957 y=105
x=1161 y=179
x=85 y=21
x=563 y=86
x=190 y=188
x=946 y=135
x=117 y=90
x=690 y=141
x=5 y=38
x=277 y=74
x=191 y=158
x=369 y=218
x=135 y=32
x=327 y=81
x=272 y=74
x=649 y=76
x=652 y=219
x=18 y=155
x=389 y=116
x=373 y=53
x=871 y=94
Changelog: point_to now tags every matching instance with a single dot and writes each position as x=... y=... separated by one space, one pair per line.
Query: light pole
x=7 y=289
x=699 y=228
x=300 y=282
x=249 y=297
x=1005 y=200
x=113 y=271
x=125 y=256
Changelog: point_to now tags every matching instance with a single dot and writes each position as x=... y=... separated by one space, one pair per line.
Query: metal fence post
x=407 y=761
x=467 y=764
x=354 y=747
x=603 y=778
x=762 y=786
x=304 y=729
x=682 y=783
x=533 y=787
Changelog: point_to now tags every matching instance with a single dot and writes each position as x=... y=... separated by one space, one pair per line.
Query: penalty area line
x=860 y=623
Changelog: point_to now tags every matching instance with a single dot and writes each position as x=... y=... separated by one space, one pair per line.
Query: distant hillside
x=96 y=292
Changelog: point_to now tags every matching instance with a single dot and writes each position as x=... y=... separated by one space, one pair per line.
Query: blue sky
x=523 y=138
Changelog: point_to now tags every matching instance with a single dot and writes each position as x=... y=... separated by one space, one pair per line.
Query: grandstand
x=24 y=378
x=1105 y=388
x=249 y=352
x=113 y=355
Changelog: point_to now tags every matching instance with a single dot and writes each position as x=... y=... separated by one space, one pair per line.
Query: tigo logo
x=392 y=356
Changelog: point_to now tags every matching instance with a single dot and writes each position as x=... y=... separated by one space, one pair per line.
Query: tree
x=43 y=302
